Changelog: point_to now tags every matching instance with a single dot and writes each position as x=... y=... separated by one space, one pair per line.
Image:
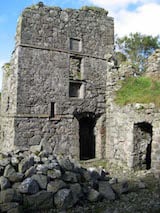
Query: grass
x=139 y=90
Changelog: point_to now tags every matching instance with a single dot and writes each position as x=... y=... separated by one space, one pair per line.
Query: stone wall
x=9 y=101
x=55 y=136
x=153 y=65
x=122 y=146
x=9 y=86
x=52 y=27
x=59 y=70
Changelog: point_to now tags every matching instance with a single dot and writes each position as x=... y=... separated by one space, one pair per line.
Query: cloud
x=114 y=3
x=118 y=4
x=133 y=15
x=145 y=19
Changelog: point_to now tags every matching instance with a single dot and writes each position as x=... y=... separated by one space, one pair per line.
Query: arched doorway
x=87 y=137
x=142 y=145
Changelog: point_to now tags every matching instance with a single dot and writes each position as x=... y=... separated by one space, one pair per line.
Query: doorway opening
x=87 y=137
x=142 y=145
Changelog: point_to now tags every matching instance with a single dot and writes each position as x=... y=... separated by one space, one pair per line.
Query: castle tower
x=53 y=93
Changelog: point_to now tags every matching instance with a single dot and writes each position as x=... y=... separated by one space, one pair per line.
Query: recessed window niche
x=75 y=68
x=75 y=44
x=76 y=90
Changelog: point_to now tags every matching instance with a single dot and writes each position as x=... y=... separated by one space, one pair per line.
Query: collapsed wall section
x=132 y=131
x=9 y=101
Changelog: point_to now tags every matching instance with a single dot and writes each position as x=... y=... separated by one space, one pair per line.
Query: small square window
x=75 y=44
x=74 y=90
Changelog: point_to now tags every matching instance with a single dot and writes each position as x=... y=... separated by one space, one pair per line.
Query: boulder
x=4 y=162
x=93 y=195
x=76 y=192
x=14 y=160
x=41 y=180
x=16 y=185
x=70 y=177
x=17 y=178
x=1 y=170
x=29 y=172
x=85 y=175
x=66 y=164
x=29 y=186
x=55 y=185
x=42 y=169
x=53 y=174
x=40 y=200
x=9 y=207
x=25 y=164
x=106 y=190
x=12 y=175
x=9 y=172
x=4 y=183
x=53 y=165
x=63 y=199
x=10 y=195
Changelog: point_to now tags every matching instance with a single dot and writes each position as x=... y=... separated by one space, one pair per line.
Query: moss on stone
x=40 y=5
x=95 y=9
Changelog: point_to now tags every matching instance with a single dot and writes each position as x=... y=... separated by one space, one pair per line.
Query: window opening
x=75 y=68
x=75 y=89
x=142 y=145
x=52 y=110
x=8 y=101
x=75 y=44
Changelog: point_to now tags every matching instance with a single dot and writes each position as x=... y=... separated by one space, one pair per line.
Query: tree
x=136 y=48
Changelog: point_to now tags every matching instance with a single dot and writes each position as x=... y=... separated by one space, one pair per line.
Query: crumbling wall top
x=153 y=66
x=51 y=27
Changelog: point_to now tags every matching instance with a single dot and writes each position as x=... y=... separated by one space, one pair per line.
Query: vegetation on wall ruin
x=139 y=90
x=95 y=9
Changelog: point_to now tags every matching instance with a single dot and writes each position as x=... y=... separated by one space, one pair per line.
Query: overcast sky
x=130 y=16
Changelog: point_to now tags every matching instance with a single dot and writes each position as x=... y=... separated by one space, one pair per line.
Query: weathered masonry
x=53 y=93
x=59 y=89
x=133 y=130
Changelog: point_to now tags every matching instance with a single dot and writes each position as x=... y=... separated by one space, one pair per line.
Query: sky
x=129 y=15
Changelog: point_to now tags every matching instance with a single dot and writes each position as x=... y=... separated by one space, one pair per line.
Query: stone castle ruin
x=58 y=92
x=53 y=94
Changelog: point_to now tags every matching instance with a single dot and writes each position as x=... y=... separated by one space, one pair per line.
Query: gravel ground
x=143 y=195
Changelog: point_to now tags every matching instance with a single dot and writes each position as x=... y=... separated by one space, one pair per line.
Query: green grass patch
x=138 y=90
